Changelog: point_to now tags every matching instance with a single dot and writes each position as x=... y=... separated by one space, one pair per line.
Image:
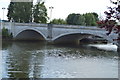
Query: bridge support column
x=49 y=37
x=12 y=26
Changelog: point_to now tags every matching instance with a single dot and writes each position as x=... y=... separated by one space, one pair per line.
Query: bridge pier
x=12 y=27
x=49 y=37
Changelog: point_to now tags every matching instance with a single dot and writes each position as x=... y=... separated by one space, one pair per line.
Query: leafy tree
x=79 y=19
x=20 y=11
x=58 y=21
x=6 y=34
x=70 y=18
x=40 y=13
x=90 y=19
x=10 y=11
x=75 y=19
x=112 y=21
x=95 y=16
x=112 y=18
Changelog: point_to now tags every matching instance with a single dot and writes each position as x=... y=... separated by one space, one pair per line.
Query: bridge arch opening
x=78 y=38
x=29 y=35
x=93 y=39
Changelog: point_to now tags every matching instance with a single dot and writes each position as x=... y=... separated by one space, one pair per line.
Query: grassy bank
x=6 y=35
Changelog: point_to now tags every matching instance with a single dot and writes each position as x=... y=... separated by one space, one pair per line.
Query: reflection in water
x=22 y=59
x=39 y=60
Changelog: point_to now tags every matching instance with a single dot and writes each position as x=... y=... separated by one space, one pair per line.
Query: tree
x=70 y=18
x=40 y=13
x=112 y=18
x=90 y=19
x=6 y=34
x=20 y=11
x=95 y=16
x=10 y=10
x=79 y=19
x=75 y=19
x=58 y=21
x=112 y=21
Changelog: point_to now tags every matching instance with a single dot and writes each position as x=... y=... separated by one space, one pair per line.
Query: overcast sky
x=64 y=7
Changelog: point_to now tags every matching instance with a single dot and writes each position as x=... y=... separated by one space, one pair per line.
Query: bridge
x=55 y=33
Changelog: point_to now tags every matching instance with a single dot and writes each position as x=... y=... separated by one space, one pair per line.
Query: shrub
x=6 y=34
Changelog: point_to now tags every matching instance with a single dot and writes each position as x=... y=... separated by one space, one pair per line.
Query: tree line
x=88 y=19
x=25 y=12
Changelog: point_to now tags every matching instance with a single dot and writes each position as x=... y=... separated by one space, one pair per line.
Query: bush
x=5 y=34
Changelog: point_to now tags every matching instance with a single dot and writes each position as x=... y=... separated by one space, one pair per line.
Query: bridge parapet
x=53 y=26
x=77 y=27
x=31 y=24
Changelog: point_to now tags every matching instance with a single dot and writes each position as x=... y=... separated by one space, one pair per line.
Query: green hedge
x=6 y=34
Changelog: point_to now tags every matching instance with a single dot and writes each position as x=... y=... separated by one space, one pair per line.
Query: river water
x=40 y=60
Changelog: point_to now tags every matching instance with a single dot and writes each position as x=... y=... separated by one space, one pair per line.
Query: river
x=40 y=60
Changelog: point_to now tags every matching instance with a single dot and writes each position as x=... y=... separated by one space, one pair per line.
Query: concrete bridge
x=55 y=33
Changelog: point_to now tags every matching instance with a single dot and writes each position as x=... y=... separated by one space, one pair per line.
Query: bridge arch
x=29 y=34
x=74 y=38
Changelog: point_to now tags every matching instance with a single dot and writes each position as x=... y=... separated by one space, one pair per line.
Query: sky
x=62 y=8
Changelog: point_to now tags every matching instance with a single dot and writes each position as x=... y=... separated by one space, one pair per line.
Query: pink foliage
x=110 y=23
